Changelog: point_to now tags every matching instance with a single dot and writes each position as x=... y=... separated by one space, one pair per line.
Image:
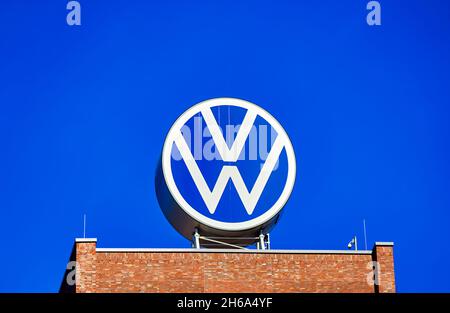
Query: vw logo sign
x=227 y=169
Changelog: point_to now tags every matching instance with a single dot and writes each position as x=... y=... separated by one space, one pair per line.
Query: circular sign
x=227 y=168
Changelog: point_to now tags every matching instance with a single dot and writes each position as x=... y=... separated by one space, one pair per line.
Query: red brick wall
x=152 y=271
x=86 y=258
x=386 y=277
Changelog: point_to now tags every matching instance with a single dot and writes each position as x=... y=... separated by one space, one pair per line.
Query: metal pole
x=365 y=234
x=196 y=239
x=261 y=241
x=84 y=225
x=356 y=244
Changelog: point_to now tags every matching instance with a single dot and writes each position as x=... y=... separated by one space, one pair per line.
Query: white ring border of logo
x=173 y=189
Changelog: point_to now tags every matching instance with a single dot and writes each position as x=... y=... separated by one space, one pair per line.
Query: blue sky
x=84 y=112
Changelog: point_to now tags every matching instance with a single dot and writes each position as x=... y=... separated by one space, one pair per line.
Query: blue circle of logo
x=229 y=164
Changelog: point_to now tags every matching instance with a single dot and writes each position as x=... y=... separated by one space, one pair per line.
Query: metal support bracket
x=262 y=241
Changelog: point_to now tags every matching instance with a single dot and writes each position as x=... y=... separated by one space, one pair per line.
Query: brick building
x=225 y=270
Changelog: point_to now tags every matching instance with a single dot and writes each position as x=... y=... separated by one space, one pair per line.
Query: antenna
x=365 y=234
x=84 y=225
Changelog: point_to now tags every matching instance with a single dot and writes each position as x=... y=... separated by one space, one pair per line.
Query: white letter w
x=212 y=198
